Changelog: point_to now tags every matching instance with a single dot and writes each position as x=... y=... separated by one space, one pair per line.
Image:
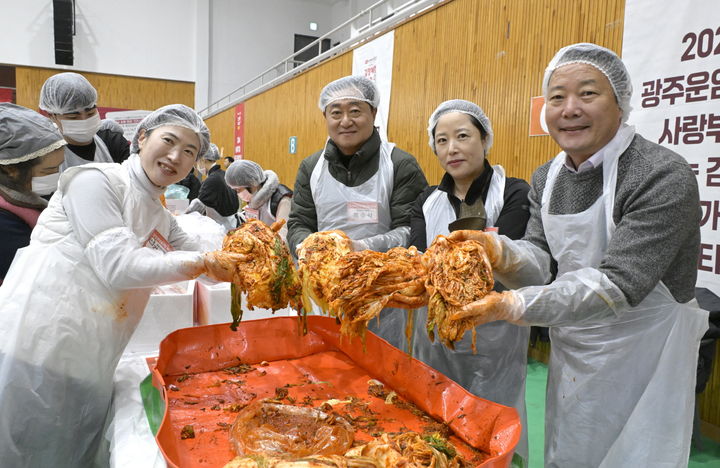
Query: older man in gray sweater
x=609 y=263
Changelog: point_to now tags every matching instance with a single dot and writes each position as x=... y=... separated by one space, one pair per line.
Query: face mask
x=81 y=131
x=245 y=196
x=45 y=185
x=201 y=169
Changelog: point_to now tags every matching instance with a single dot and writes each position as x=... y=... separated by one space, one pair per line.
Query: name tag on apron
x=362 y=212
x=158 y=242
x=251 y=213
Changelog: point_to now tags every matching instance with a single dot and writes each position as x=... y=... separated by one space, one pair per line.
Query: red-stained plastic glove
x=221 y=266
x=489 y=240
x=507 y=305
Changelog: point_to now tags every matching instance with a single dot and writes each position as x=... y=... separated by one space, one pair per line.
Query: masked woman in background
x=71 y=102
x=473 y=195
x=31 y=151
x=73 y=297
x=267 y=199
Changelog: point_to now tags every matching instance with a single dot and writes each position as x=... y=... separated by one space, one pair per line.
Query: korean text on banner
x=676 y=100
x=374 y=60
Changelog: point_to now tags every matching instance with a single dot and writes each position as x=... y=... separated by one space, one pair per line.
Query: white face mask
x=81 y=131
x=201 y=169
x=45 y=185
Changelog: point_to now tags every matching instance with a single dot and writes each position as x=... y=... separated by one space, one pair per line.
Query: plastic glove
x=221 y=266
x=577 y=297
x=196 y=206
x=507 y=305
x=516 y=263
x=358 y=245
x=489 y=240
x=397 y=237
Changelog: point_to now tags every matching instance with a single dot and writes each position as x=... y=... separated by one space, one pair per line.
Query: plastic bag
x=204 y=231
x=177 y=192
x=282 y=430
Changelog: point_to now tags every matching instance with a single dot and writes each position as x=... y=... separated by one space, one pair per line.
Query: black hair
x=20 y=180
x=230 y=159
x=475 y=122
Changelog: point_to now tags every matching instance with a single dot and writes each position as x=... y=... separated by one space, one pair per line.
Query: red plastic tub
x=206 y=374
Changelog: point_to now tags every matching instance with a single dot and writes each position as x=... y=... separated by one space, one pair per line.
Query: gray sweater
x=657 y=217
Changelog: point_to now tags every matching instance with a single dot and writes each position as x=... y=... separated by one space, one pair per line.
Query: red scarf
x=29 y=215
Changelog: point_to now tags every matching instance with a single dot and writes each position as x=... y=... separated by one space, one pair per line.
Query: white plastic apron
x=102 y=154
x=334 y=203
x=53 y=309
x=439 y=210
x=497 y=371
x=620 y=390
x=264 y=213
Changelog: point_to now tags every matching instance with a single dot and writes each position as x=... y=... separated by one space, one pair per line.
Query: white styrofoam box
x=213 y=304
x=170 y=307
x=177 y=206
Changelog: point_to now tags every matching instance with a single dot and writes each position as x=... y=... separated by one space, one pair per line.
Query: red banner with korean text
x=675 y=72
x=239 y=145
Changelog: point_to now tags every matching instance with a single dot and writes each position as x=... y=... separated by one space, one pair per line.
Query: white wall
x=148 y=38
x=249 y=36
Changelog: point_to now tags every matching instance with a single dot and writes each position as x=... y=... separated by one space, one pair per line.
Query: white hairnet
x=604 y=60
x=350 y=87
x=213 y=153
x=465 y=107
x=25 y=134
x=244 y=173
x=174 y=114
x=110 y=124
x=67 y=92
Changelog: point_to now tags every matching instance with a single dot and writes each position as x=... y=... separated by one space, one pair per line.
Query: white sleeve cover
x=121 y=262
x=575 y=297
x=397 y=237
x=522 y=263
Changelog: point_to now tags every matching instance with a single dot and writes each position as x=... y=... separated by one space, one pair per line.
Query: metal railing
x=373 y=21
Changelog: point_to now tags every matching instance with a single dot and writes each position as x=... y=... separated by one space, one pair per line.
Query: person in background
x=267 y=199
x=31 y=151
x=71 y=301
x=193 y=183
x=357 y=183
x=609 y=262
x=71 y=102
x=227 y=161
x=215 y=199
x=473 y=195
x=108 y=127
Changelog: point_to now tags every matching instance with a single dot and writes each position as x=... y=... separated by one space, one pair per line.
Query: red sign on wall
x=239 y=145
x=6 y=94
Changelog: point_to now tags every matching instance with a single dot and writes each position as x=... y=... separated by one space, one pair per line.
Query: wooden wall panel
x=123 y=92
x=491 y=52
x=222 y=131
